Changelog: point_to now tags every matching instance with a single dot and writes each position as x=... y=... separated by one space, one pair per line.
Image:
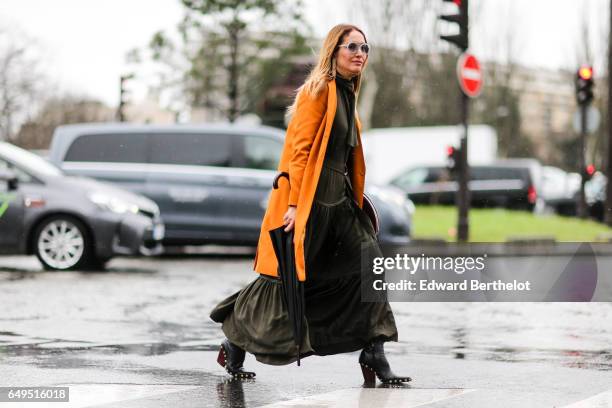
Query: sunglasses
x=353 y=47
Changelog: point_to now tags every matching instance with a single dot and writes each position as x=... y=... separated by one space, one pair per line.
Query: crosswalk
x=602 y=400
x=373 y=397
x=93 y=395
x=98 y=395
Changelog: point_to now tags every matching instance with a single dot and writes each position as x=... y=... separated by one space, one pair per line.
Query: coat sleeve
x=309 y=114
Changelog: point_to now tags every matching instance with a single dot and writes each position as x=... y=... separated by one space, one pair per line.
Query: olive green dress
x=255 y=317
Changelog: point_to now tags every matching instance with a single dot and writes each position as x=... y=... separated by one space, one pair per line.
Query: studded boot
x=374 y=364
x=231 y=357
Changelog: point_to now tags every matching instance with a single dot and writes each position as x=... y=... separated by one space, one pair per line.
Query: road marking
x=603 y=400
x=92 y=395
x=373 y=397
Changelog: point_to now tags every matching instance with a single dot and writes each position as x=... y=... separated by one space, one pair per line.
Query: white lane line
x=92 y=395
x=373 y=397
x=603 y=400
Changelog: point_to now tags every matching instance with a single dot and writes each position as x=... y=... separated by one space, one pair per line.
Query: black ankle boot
x=374 y=364
x=231 y=357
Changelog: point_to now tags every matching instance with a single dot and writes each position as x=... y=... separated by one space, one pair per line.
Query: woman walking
x=322 y=202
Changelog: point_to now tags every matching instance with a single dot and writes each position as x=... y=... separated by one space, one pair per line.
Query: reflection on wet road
x=146 y=322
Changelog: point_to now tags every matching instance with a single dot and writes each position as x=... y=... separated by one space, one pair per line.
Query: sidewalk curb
x=522 y=247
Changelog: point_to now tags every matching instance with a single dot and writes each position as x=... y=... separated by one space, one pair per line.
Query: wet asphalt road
x=139 y=336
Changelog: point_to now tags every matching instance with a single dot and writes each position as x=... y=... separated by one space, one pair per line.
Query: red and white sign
x=469 y=75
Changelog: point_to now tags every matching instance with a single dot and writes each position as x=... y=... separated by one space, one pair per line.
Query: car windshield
x=29 y=161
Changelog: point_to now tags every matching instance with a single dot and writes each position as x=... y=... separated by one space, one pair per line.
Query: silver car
x=70 y=222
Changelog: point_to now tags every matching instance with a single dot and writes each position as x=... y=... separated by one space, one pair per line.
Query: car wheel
x=62 y=243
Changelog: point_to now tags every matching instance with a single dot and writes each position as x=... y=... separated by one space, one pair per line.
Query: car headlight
x=391 y=196
x=113 y=204
x=409 y=206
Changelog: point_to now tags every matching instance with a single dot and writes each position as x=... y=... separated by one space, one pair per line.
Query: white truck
x=390 y=151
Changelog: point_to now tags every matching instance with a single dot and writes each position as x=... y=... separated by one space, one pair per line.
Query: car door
x=189 y=179
x=258 y=159
x=11 y=213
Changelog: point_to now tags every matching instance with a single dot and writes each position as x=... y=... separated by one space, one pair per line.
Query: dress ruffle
x=255 y=318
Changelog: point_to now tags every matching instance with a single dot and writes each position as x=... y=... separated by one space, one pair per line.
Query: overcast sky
x=84 y=42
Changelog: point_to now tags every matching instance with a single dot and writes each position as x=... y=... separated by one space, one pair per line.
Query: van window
x=197 y=149
x=112 y=147
x=261 y=152
x=497 y=173
x=412 y=178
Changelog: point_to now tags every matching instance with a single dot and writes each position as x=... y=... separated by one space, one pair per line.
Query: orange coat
x=302 y=157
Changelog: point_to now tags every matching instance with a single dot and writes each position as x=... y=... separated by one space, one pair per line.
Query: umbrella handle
x=278 y=176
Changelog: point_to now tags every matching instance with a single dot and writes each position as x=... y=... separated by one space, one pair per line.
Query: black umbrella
x=292 y=287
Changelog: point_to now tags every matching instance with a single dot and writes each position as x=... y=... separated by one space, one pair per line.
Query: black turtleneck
x=346 y=95
x=334 y=181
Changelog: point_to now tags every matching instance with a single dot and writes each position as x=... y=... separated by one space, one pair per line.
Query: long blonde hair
x=325 y=69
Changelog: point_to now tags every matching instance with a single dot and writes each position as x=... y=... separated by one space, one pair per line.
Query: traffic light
x=588 y=172
x=461 y=18
x=584 y=85
x=453 y=159
x=123 y=96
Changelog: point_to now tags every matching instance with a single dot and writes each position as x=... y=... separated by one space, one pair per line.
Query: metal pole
x=582 y=207
x=120 y=114
x=463 y=194
x=608 y=121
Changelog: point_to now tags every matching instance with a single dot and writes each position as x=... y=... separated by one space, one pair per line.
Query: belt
x=343 y=169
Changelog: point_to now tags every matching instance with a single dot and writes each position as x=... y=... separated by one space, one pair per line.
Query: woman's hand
x=289 y=218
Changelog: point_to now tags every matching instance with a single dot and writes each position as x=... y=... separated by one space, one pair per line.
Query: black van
x=507 y=183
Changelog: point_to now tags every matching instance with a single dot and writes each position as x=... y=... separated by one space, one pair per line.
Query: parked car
x=507 y=183
x=559 y=190
x=595 y=195
x=210 y=181
x=70 y=222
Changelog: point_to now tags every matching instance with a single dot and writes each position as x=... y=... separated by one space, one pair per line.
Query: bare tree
x=588 y=51
x=403 y=35
x=36 y=133
x=20 y=81
x=500 y=104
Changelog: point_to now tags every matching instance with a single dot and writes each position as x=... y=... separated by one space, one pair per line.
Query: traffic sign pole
x=463 y=197
x=582 y=206
x=608 y=206
x=584 y=97
x=470 y=82
x=469 y=76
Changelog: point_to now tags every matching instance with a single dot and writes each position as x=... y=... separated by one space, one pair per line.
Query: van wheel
x=62 y=243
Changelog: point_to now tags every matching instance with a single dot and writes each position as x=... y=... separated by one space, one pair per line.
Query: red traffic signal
x=452 y=158
x=584 y=85
x=585 y=73
x=589 y=171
